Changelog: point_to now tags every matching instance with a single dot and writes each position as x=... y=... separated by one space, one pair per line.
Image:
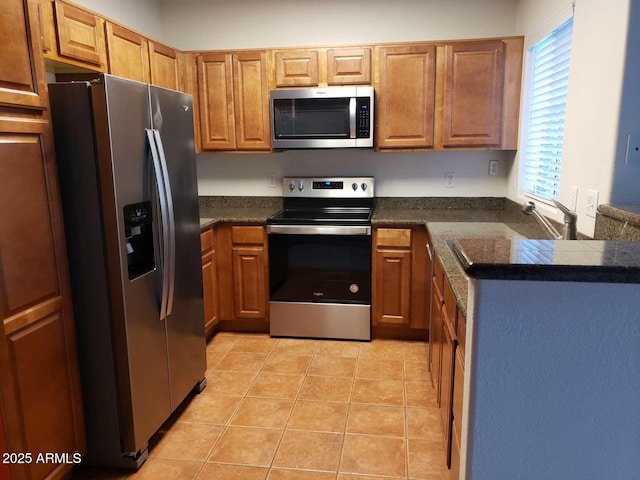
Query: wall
x=553 y=391
x=593 y=100
x=220 y=24
x=141 y=15
x=627 y=174
x=397 y=174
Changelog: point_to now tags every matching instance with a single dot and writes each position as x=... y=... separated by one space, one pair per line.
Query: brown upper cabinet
x=473 y=91
x=234 y=101
x=79 y=36
x=164 y=63
x=405 y=102
x=127 y=52
x=297 y=68
x=312 y=67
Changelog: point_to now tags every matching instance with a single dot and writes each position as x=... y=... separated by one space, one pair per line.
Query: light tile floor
x=295 y=409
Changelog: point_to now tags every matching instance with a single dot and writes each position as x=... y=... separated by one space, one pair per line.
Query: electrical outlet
x=272 y=180
x=592 y=203
x=449 y=180
x=493 y=167
x=632 y=155
x=573 y=201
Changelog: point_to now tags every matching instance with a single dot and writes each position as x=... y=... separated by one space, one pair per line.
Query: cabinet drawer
x=393 y=237
x=247 y=235
x=449 y=303
x=206 y=240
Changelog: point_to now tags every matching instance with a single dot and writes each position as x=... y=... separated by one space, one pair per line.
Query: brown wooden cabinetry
x=405 y=103
x=164 y=65
x=312 y=67
x=40 y=401
x=436 y=333
x=234 y=101
x=127 y=53
x=458 y=395
x=449 y=342
x=473 y=93
x=399 y=280
x=209 y=280
x=243 y=274
x=78 y=35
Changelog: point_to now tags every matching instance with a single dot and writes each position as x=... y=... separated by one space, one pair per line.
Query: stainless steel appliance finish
x=126 y=157
x=331 y=117
x=320 y=259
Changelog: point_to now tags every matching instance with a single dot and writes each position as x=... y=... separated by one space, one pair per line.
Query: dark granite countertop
x=624 y=213
x=237 y=209
x=550 y=260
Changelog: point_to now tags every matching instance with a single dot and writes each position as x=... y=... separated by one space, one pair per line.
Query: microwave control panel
x=363 y=117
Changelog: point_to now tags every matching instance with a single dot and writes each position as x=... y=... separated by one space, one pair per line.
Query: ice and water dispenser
x=138 y=221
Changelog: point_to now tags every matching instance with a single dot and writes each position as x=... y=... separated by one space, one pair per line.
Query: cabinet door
x=349 y=66
x=446 y=383
x=249 y=281
x=296 y=68
x=40 y=392
x=392 y=276
x=163 y=61
x=435 y=345
x=210 y=290
x=127 y=53
x=80 y=34
x=473 y=90
x=251 y=101
x=405 y=102
x=215 y=89
x=21 y=68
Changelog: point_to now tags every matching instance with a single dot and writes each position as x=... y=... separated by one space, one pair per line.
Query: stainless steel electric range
x=320 y=259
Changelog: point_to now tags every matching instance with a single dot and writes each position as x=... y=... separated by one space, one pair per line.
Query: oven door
x=320 y=283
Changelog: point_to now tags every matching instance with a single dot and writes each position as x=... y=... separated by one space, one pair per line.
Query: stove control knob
x=301 y=186
x=354 y=185
x=292 y=186
x=363 y=186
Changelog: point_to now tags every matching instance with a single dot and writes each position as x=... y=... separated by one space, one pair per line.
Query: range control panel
x=334 y=187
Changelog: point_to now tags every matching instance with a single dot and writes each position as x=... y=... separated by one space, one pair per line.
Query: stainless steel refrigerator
x=126 y=161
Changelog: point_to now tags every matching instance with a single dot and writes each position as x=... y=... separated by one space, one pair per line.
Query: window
x=548 y=78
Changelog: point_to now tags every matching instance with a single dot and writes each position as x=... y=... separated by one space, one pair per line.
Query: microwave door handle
x=352 y=117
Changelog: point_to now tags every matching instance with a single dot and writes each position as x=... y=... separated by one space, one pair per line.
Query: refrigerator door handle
x=172 y=222
x=160 y=184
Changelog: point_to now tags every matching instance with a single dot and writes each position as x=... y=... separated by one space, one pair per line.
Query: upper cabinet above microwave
x=312 y=67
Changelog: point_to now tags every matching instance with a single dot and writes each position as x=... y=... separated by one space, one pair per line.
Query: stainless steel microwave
x=331 y=117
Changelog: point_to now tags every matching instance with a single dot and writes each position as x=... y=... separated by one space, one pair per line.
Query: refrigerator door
x=172 y=117
x=130 y=200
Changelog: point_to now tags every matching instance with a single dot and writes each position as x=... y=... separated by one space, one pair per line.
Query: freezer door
x=132 y=229
x=172 y=116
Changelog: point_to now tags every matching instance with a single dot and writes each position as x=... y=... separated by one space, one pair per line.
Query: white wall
x=593 y=98
x=142 y=15
x=419 y=174
x=626 y=179
x=222 y=24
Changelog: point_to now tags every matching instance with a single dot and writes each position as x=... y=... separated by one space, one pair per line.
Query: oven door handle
x=320 y=229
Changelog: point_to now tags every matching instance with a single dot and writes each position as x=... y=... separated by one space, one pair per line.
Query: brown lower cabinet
x=447 y=349
x=243 y=280
x=400 y=286
x=209 y=280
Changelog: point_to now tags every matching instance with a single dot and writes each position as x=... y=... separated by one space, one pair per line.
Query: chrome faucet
x=569 y=230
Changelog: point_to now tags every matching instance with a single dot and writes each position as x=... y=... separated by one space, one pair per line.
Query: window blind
x=549 y=77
